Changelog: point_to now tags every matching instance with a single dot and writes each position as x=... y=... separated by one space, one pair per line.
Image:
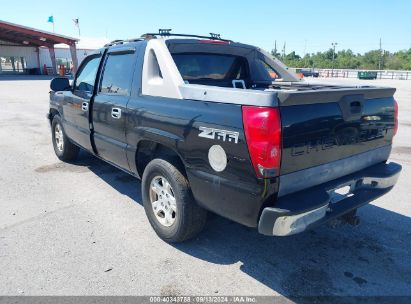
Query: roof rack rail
x=121 y=41
x=167 y=33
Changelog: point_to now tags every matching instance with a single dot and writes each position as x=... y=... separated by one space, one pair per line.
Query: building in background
x=25 y=50
x=84 y=47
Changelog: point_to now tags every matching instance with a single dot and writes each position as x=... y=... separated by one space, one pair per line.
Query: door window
x=117 y=75
x=87 y=75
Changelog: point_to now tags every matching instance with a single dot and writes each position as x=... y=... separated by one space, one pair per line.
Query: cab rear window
x=196 y=66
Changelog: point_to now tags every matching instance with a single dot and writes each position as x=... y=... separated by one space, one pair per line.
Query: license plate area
x=341 y=192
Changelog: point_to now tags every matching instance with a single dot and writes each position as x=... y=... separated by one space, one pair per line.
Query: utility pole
x=275 y=48
x=334 y=44
x=305 y=48
x=380 y=66
x=284 y=50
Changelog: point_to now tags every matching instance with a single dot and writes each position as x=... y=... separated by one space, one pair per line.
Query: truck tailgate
x=330 y=133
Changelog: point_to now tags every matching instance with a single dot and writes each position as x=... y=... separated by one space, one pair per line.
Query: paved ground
x=81 y=230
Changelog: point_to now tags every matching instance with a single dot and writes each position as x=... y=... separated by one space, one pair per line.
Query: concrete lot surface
x=80 y=229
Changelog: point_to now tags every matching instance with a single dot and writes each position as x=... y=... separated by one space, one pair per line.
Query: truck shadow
x=365 y=260
x=372 y=259
x=119 y=180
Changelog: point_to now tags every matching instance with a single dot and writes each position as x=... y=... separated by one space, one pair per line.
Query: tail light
x=395 y=117
x=262 y=127
x=215 y=41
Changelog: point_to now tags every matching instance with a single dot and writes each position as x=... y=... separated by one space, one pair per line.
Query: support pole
x=73 y=53
x=53 y=59
x=38 y=60
x=13 y=65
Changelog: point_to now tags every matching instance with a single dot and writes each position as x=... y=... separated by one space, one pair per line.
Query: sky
x=304 y=26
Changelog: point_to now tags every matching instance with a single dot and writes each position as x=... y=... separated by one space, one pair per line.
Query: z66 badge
x=219 y=134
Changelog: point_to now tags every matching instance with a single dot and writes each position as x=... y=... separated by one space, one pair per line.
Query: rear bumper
x=306 y=209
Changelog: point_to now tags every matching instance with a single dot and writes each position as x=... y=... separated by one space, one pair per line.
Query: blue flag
x=51 y=19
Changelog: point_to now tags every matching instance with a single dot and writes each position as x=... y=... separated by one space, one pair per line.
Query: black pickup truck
x=213 y=125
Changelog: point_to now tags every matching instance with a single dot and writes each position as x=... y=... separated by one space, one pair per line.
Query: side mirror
x=60 y=84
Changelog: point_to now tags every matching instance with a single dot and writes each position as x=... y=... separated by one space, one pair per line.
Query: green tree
x=347 y=59
x=371 y=60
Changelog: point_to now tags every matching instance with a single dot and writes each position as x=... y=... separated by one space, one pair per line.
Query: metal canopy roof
x=29 y=36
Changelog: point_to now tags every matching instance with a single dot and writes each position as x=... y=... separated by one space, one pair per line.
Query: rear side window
x=195 y=66
x=87 y=75
x=270 y=70
x=117 y=75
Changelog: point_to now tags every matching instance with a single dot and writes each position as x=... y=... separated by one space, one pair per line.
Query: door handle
x=84 y=106
x=116 y=113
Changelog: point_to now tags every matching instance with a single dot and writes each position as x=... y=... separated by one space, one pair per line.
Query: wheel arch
x=147 y=150
x=53 y=112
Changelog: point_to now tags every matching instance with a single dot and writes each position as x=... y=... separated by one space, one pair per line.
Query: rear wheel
x=169 y=204
x=65 y=150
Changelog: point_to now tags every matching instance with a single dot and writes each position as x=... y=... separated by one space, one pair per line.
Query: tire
x=65 y=150
x=183 y=219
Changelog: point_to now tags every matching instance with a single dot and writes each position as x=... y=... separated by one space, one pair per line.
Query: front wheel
x=169 y=204
x=65 y=150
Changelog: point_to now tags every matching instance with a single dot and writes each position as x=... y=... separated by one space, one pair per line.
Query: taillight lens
x=262 y=127
x=395 y=117
x=215 y=41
